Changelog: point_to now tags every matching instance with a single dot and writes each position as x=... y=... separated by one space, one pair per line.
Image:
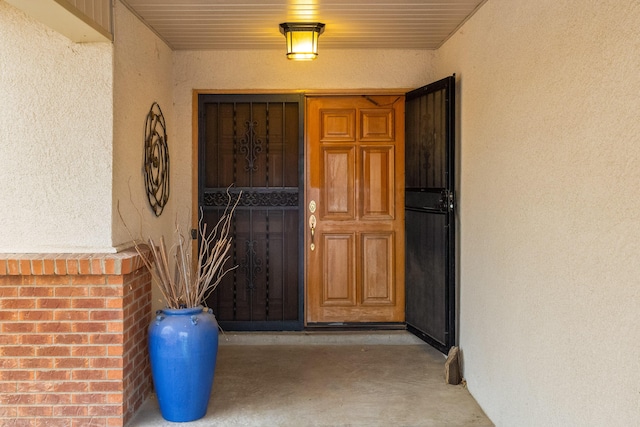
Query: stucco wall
x=55 y=143
x=142 y=72
x=549 y=113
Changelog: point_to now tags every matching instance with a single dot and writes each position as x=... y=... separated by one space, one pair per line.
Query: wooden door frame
x=305 y=93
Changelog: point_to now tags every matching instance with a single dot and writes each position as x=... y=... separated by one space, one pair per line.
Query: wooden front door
x=354 y=239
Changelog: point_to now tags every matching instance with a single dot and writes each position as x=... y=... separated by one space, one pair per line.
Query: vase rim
x=187 y=310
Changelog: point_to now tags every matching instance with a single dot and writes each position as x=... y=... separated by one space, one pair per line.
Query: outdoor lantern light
x=302 y=39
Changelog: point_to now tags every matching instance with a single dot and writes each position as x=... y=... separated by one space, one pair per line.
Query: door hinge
x=194 y=234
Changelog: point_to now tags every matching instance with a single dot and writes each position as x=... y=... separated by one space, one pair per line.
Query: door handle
x=312 y=226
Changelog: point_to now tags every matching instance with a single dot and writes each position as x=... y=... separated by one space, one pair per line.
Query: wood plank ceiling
x=350 y=24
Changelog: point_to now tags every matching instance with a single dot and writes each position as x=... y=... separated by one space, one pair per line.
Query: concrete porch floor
x=381 y=378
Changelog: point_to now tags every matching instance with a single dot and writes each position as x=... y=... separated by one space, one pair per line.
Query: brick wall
x=73 y=339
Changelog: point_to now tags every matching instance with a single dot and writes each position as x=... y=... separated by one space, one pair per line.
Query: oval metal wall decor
x=156 y=159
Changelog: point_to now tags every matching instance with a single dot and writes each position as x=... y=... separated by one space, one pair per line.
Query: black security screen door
x=429 y=213
x=255 y=143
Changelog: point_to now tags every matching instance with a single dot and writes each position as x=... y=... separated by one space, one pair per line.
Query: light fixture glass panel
x=302 y=39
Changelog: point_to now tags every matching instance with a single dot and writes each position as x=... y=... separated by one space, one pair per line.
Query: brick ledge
x=124 y=262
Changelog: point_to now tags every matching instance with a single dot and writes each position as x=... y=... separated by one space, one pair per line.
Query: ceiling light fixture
x=302 y=39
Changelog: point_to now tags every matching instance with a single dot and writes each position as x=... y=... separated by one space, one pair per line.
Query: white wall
x=142 y=75
x=549 y=102
x=55 y=140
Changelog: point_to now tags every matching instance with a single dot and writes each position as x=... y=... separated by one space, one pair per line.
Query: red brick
x=88 y=303
x=34 y=411
x=70 y=411
x=17 y=375
x=37 y=266
x=106 y=315
x=53 y=399
x=23 y=350
x=114 y=327
x=105 y=410
x=18 y=303
x=105 y=386
x=89 y=374
x=9 y=363
x=49 y=266
x=18 y=399
x=59 y=327
x=54 y=303
x=114 y=398
x=13 y=267
x=88 y=351
x=96 y=266
x=36 y=339
x=53 y=422
x=8 y=315
x=71 y=315
x=106 y=291
x=72 y=291
x=71 y=387
x=61 y=266
x=36 y=291
x=89 y=327
x=115 y=280
x=9 y=339
x=72 y=362
x=8 y=292
x=113 y=303
x=51 y=280
x=34 y=387
x=36 y=363
x=90 y=398
x=106 y=362
x=73 y=266
x=54 y=351
x=105 y=339
x=8 y=387
x=115 y=374
x=18 y=328
x=8 y=418
x=84 y=266
x=109 y=266
x=36 y=315
x=25 y=267
x=91 y=422
x=3 y=267
x=53 y=375
x=70 y=339
x=115 y=350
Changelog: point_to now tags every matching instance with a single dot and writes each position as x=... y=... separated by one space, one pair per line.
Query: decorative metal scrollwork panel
x=251 y=145
x=156 y=159
x=253 y=198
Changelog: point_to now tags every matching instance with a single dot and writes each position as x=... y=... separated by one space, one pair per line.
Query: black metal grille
x=254 y=143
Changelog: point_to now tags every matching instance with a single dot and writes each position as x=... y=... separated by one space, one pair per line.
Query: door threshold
x=359 y=326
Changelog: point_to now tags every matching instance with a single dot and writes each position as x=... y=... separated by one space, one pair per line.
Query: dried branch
x=188 y=288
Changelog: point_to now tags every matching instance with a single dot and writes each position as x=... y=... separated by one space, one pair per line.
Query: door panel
x=354 y=177
x=338 y=176
x=430 y=213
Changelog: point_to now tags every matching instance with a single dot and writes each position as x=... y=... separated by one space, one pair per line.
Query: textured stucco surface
x=55 y=143
x=142 y=72
x=549 y=112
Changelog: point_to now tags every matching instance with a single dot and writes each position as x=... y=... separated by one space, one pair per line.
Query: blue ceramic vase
x=183 y=347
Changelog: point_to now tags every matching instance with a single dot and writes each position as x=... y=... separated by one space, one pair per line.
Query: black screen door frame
x=436 y=202
x=203 y=98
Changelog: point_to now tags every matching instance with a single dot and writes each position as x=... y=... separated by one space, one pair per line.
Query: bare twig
x=188 y=288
